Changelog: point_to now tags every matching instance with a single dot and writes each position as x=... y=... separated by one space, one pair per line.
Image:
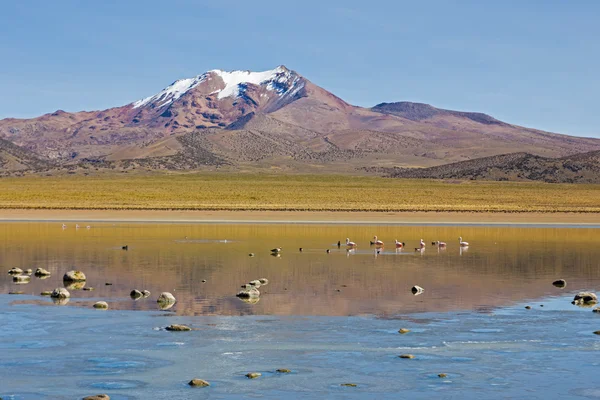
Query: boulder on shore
x=42 y=272
x=15 y=271
x=585 y=298
x=101 y=305
x=248 y=293
x=74 y=276
x=136 y=294
x=166 y=298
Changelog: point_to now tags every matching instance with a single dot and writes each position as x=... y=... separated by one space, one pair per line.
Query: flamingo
x=440 y=244
x=76 y=226
x=422 y=244
x=399 y=244
x=88 y=227
x=64 y=226
x=349 y=243
x=462 y=244
x=376 y=241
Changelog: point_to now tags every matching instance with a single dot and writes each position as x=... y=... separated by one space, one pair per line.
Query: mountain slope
x=277 y=117
x=15 y=158
x=578 y=168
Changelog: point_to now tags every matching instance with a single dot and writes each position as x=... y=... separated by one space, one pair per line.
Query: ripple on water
x=24 y=396
x=32 y=344
x=113 y=384
x=592 y=393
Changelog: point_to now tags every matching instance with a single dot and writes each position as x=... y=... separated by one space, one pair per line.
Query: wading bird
x=376 y=241
x=462 y=244
x=349 y=243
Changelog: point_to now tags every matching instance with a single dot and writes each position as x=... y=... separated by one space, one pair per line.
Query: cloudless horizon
x=532 y=63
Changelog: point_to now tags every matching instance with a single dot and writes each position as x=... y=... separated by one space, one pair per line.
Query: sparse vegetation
x=224 y=191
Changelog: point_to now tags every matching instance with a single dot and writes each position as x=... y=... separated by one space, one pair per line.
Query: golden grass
x=220 y=191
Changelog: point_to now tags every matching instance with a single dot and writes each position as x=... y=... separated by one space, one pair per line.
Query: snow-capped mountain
x=278 y=115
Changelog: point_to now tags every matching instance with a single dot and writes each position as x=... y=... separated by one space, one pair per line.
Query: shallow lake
x=331 y=318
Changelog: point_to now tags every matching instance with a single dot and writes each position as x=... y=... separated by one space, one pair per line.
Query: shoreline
x=304 y=217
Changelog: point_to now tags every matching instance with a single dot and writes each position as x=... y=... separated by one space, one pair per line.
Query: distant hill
x=578 y=168
x=275 y=119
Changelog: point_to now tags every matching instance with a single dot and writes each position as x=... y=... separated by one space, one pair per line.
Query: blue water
x=509 y=352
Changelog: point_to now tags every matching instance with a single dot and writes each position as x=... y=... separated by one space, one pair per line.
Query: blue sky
x=529 y=62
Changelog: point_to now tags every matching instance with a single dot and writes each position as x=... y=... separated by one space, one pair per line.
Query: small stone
x=528 y=307
x=166 y=298
x=135 y=294
x=98 y=397
x=403 y=331
x=349 y=384
x=416 y=290
x=15 y=271
x=251 y=255
x=178 y=328
x=146 y=293
x=255 y=283
x=101 y=305
x=443 y=375
x=406 y=356
x=88 y=289
x=60 y=293
x=283 y=371
x=74 y=276
x=46 y=293
x=28 y=271
x=108 y=284
x=253 y=375
x=596 y=310
x=561 y=283
x=597 y=333
x=203 y=281
x=198 y=383
x=42 y=272
x=263 y=281
x=17 y=292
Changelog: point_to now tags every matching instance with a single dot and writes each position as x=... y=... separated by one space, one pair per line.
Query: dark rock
x=283 y=371
x=136 y=294
x=561 y=283
x=178 y=328
x=410 y=356
x=253 y=375
x=416 y=290
x=585 y=298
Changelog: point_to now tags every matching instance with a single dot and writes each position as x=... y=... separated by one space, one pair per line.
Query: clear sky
x=528 y=62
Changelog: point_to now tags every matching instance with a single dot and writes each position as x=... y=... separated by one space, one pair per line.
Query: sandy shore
x=301 y=217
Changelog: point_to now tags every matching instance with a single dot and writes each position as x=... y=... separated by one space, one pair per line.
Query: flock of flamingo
x=399 y=245
x=64 y=226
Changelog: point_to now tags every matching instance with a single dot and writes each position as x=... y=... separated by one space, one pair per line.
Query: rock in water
x=198 y=383
x=60 y=293
x=585 y=298
x=253 y=375
x=561 y=283
x=410 y=356
x=178 y=328
x=264 y=281
x=101 y=305
x=28 y=271
x=136 y=294
x=403 y=331
x=146 y=293
x=98 y=397
x=349 y=384
x=15 y=271
x=166 y=298
x=255 y=283
x=74 y=276
x=21 y=279
x=596 y=310
x=283 y=371
x=416 y=290
x=42 y=272
x=248 y=293
x=442 y=375
x=46 y=293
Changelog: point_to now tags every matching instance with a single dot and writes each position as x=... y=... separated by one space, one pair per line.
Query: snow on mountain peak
x=280 y=79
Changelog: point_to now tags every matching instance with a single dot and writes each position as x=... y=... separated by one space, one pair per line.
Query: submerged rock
x=416 y=290
x=15 y=271
x=101 y=304
x=74 y=276
x=46 y=293
x=253 y=375
x=561 y=283
x=98 y=397
x=60 y=293
x=283 y=371
x=596 y=310
x=585 y=298
x=442 y=375
x=28 y=271
x=178 y=328
x=349 y=384
x=42 y=272
x=410 y=356
x=528 y=307
x=403 y=331
x=198 y=383
x=136 y=294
